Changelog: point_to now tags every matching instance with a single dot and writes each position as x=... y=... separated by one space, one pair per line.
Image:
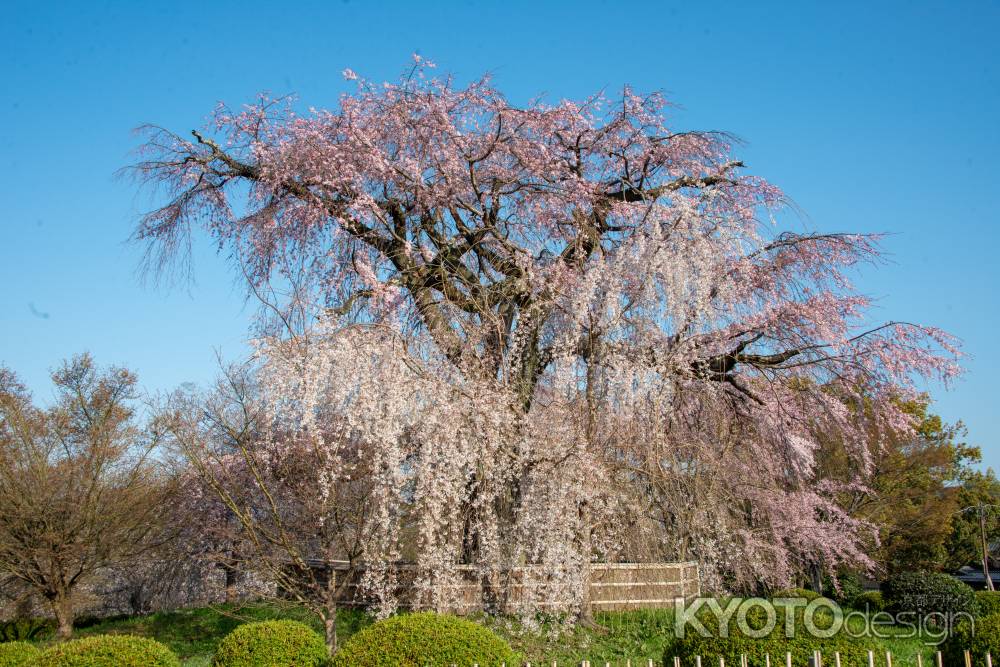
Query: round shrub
x=269 y=643
x=801 y=645
x=797 y=593
x=869 y=601
x=923 y=593
x=424 y=640
x=108 y=651
x=977 y=637
x=987 y=603
x=17 y=654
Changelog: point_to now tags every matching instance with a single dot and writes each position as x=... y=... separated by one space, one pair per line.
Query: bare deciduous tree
x=79 y=489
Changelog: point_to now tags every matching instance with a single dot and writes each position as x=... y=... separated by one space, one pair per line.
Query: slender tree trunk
x=986 y=548
x=232 y=577
x=330 y=617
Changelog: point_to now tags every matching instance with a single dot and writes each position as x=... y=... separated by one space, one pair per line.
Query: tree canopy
x=488 y=296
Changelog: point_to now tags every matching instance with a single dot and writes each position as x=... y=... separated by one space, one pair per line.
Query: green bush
x=23 y=629
x=108 y=651
x=17 y=654
x=847 y=589
x=987 y=603
x=850 y=588
x=270 y=644
x=797 y=593
x=736 y=644
x=977 y=637
x=869 y=601
x=424 y=640
x=927 y=592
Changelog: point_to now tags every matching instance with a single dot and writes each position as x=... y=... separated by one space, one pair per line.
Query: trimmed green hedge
x=797 y=593
x=424 y=640
x=987 y=603
x=17 y=654
x=271 y=643
x=923 y=593
x=869 y=601
x=977 y=637
x=108 y=651
x=737 y=643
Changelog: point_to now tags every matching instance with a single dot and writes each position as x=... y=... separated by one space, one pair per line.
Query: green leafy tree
x=911 y=491
x=964 y=544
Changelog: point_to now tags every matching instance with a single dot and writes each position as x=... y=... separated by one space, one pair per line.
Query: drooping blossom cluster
x=564 y=331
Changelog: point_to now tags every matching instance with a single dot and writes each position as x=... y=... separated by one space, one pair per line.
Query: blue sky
x=870 y=118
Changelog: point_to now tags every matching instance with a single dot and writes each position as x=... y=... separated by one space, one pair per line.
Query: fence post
x=968 y=658
x=767 y=660
x=888 y=659
x=871 y=659
x=938 y=660
x=920 y=660
x=788 y=659
x=836 y=659
x=697 y=661
x=989 y=659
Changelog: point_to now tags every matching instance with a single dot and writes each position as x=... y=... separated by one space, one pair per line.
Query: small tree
x=79 y=492
x=296 y=502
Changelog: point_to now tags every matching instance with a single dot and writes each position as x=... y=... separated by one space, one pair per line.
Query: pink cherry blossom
x=565 y=331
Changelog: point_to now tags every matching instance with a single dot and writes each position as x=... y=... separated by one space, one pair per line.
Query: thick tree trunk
x=62 y=607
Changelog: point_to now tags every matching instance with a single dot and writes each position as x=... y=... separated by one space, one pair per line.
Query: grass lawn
x=194 y=634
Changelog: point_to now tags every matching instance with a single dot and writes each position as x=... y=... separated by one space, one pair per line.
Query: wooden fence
x=622 y=586
x=612 y=587
x=817 y=660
